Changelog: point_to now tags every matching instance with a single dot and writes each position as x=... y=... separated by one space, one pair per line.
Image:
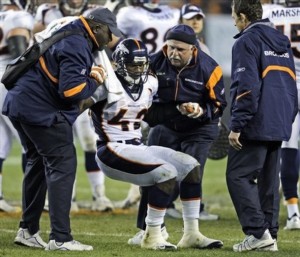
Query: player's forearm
x=85 y=104
x=160 y=113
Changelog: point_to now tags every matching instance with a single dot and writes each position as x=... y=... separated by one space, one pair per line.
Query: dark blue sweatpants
x=51 y=164
x=253 y=182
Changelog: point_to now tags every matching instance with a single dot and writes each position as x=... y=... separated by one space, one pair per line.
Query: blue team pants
x=51 y=164
x=253 y=182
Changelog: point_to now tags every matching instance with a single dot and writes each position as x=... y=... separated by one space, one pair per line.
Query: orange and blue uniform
x=56 y=83
x=43 y=105
x=263 y=106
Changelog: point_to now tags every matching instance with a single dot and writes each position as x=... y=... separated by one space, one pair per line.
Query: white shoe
x=203 y=215
x=25 y=238
x=252 y=243
x=293 y=223
x=4 y=206
x=173 y=213
x=102 y=204
x=153 y=239
x=68 y=246
x=74 y=206
x=199 y=241
x=271 y=248
x=138 y=237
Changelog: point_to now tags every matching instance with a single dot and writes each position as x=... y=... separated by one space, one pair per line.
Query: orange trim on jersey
x=212 y=82
x=241 y=95
x=279 y=68
x=75 y=90
x=86 y=25
x=44 y=68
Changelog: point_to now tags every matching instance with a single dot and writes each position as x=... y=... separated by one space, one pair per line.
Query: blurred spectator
x=16 y=26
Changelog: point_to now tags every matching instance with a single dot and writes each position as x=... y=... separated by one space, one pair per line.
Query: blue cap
x=188 y=11
x=183 y=33
x=104 y=16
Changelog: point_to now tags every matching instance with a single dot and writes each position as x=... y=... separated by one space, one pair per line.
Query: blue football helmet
x=132 y=61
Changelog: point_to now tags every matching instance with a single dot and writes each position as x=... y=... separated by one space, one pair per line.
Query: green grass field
x=109 y=232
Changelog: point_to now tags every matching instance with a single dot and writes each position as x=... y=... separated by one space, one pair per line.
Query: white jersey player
x=52 y=14
x=122 y=156
x=148 y=22
x=287 y=19
x=15 y=35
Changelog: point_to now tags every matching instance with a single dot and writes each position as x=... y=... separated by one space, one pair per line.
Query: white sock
x=155 y=217
x=292 y=209
x=96 y=179
x=190 y=225
x=190 y=209
x=153 y=231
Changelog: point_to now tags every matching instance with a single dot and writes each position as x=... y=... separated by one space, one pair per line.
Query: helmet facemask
x=135 y=72
x=132 y=64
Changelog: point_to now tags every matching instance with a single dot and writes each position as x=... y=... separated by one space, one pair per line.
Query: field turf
x=109 y=232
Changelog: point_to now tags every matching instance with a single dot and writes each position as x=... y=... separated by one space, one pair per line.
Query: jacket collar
x=87 y=27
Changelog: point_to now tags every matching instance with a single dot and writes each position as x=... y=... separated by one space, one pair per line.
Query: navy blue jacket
x=57 y=82
x=263 y=91
x=201 y=81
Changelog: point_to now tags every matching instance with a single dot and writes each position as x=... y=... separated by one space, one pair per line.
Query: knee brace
x=194 y=176
x=159 y=195
x=167 y=186
x=190 y=187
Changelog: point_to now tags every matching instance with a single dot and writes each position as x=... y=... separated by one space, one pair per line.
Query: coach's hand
x=234 y=140
x=192 y=110
x=99 y=74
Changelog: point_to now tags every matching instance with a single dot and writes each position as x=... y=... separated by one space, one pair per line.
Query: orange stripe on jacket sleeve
x=75 y=90
x=241 y=95
x=212 y=82
x=44 y=68
x=279 y=68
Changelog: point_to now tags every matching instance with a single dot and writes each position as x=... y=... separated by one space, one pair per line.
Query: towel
x=112 y=83
x=53 y=27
